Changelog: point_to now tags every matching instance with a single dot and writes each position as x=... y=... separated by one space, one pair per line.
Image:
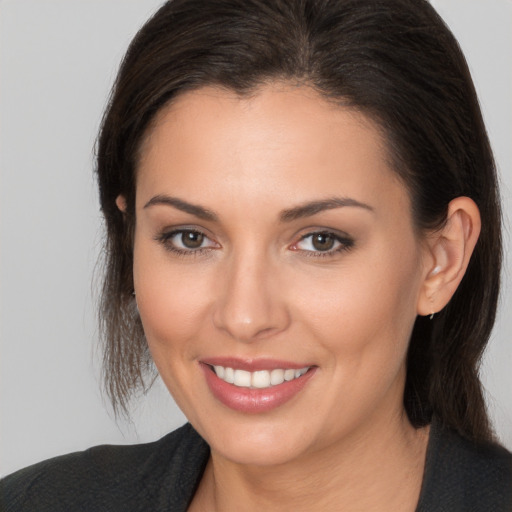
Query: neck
x=380 y=469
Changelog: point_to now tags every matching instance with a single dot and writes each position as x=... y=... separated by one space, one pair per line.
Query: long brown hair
x=393 y=60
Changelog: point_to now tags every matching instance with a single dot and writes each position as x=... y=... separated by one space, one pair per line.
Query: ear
x=121 y=203
x=449 y=251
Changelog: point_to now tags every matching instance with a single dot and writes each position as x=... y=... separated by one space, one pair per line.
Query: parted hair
x=396 y=62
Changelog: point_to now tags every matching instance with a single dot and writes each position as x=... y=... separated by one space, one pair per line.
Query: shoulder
x=464 y=475
x=111 y=477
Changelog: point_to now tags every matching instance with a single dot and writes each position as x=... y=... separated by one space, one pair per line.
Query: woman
x=303 y=235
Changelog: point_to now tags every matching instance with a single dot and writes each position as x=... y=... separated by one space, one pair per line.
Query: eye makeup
x=194 y=242
x=323 y=243
x=186 y=241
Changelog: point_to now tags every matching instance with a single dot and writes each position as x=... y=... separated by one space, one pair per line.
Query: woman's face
x=274 y=247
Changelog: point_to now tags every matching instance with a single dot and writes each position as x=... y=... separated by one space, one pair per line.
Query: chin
x=247 y=452
x=257 y=442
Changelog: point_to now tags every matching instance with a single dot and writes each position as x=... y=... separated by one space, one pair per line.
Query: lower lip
x=254 y=401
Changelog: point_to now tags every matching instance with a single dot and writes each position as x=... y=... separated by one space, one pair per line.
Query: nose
x=251 y=304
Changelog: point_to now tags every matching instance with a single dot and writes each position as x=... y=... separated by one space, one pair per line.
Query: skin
x=257 y=288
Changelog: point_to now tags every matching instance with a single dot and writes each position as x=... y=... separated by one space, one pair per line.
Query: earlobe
x=121 y=203
x=450 y=249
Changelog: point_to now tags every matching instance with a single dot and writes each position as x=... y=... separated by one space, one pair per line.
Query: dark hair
x=393 y=60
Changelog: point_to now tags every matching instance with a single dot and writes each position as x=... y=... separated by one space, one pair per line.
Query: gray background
x=57 y=61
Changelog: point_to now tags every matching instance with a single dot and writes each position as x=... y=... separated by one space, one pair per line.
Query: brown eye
x=322 y=241
x=192 y=239
x=186 y=241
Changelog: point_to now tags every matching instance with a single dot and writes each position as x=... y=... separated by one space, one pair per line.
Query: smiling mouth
x=260 y=379
x=255 y=386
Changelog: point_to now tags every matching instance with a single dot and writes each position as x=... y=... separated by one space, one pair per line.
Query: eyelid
x=165 y=238
x=343 y=242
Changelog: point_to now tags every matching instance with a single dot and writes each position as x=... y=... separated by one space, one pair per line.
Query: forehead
x=279 y=140
x=272 y=106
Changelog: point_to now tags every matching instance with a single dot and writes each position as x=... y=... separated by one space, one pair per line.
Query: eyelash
x=345 y=243
x=166 y=240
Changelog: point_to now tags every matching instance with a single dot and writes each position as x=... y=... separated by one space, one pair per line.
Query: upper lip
x=253 y=365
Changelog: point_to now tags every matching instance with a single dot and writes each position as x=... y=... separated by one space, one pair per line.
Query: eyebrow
x=179 y=204
x=289 y=215
x=314 y=207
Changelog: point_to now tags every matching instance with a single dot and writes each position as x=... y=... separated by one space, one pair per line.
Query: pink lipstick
x=255 y=386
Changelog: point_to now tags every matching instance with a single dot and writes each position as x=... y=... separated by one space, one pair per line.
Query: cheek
x=364 y=315
x=172 y=301
x=380 y=291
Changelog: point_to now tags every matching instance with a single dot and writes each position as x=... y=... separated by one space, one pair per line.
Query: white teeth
x=219 y=370
x=289 y=374
x=276 y=377
x=260 y=379
x=242 y=378
x=229 y=375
